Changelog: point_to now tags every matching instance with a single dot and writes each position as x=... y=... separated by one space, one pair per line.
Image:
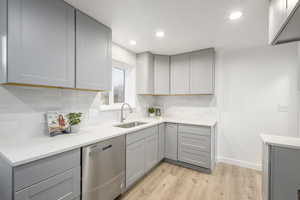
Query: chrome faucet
x=122 y=111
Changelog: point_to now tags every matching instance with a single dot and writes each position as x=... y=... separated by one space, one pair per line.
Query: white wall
x=257 y=93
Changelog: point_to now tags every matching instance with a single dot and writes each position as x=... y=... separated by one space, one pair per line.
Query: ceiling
x=188 y=24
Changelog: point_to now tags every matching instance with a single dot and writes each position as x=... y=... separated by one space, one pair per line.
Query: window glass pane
x=118 y=83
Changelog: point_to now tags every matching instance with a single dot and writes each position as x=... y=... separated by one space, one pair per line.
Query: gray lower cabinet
x=93 y=54
x=151 y=151
x=196 y=145
x=56 y=178
x=141 y=154
x=171 y=141
x=3 y=37
x=135 y=162
x=41 y=43
x=65 y=186
x=281 y=178
x=161 y=141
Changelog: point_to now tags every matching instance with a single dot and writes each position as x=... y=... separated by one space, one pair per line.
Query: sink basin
x=131 y=124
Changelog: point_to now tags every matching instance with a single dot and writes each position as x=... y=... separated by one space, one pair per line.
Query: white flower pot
x=75 y=128
x=151 y=114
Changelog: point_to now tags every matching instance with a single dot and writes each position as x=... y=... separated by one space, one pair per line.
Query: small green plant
x=74 y=118
x=151 y=110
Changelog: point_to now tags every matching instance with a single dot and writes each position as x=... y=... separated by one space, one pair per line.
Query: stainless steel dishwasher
x=103 y=170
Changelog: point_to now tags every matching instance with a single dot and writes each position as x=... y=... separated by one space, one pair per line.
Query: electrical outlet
x=283 y=108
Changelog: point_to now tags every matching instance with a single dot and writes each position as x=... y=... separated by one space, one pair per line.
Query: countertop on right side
x=281 y=141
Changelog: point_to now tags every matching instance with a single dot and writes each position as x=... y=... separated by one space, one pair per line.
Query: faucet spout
x=122 y=111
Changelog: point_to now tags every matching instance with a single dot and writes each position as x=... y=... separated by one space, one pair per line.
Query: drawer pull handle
x=107 y=147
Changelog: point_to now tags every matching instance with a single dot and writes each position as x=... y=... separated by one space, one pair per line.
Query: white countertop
x=21 y=152
x=281 y=141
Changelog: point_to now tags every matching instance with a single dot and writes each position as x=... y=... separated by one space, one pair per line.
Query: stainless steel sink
x=130 y=125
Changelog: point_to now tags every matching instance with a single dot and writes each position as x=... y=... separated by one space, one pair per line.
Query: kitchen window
x=121 y=87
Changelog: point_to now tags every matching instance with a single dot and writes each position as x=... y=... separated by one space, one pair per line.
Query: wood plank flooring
x=170 y=182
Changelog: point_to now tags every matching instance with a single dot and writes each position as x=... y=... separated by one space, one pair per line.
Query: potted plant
x=74 y=119
x=151 y=112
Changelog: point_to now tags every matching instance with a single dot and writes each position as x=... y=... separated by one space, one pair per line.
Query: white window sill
x=113 y=107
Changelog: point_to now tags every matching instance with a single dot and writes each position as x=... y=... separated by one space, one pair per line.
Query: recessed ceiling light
x=235 y=15
x=132 y=42
x=160 y=34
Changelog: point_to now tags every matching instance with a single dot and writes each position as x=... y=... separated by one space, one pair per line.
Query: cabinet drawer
x=32 y=173
x=200 y=130
x=198 y=142
x=195 y=157
x=139 y=135
x=65 y=186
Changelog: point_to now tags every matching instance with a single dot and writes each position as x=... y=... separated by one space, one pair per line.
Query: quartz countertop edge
x=18 y=153
x=281 y=141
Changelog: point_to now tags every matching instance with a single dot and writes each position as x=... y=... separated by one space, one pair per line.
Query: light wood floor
x=170 y=182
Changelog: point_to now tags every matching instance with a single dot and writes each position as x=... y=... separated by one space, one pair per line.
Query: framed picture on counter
x=57 y=123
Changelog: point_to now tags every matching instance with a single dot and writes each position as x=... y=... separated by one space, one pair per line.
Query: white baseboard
x=240 y=163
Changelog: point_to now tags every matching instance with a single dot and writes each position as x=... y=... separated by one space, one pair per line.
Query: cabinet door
x=161 y=74
x=93 y=54
x=277 y=17
x=171 y=143
x=265 y=170
x=145 y=73
x=202 y=72
x=135 y=162
x=180 y=74
x=3 y=36
x=151 y=151
x=161 y=142
x=41 y=43
x=284 y=172
x=65 y=186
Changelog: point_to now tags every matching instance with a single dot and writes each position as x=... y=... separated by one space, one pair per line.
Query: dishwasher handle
x=98 y=149
x=107 y=147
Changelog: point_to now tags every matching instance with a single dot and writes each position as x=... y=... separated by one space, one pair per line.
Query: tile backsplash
x=22 y=109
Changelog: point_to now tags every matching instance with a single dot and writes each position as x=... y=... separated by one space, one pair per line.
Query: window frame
x=128 y=70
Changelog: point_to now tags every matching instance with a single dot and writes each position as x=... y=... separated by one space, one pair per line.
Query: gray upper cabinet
x=171 y=142
x=284 y=21
x=3 y=36
x=277 y=14
x=161 y=75
x=41 y=42
x=93 y=54
x=183 y=74
x=180 y=74
x=202 y=72
x=291 y=5
x=145 y=73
